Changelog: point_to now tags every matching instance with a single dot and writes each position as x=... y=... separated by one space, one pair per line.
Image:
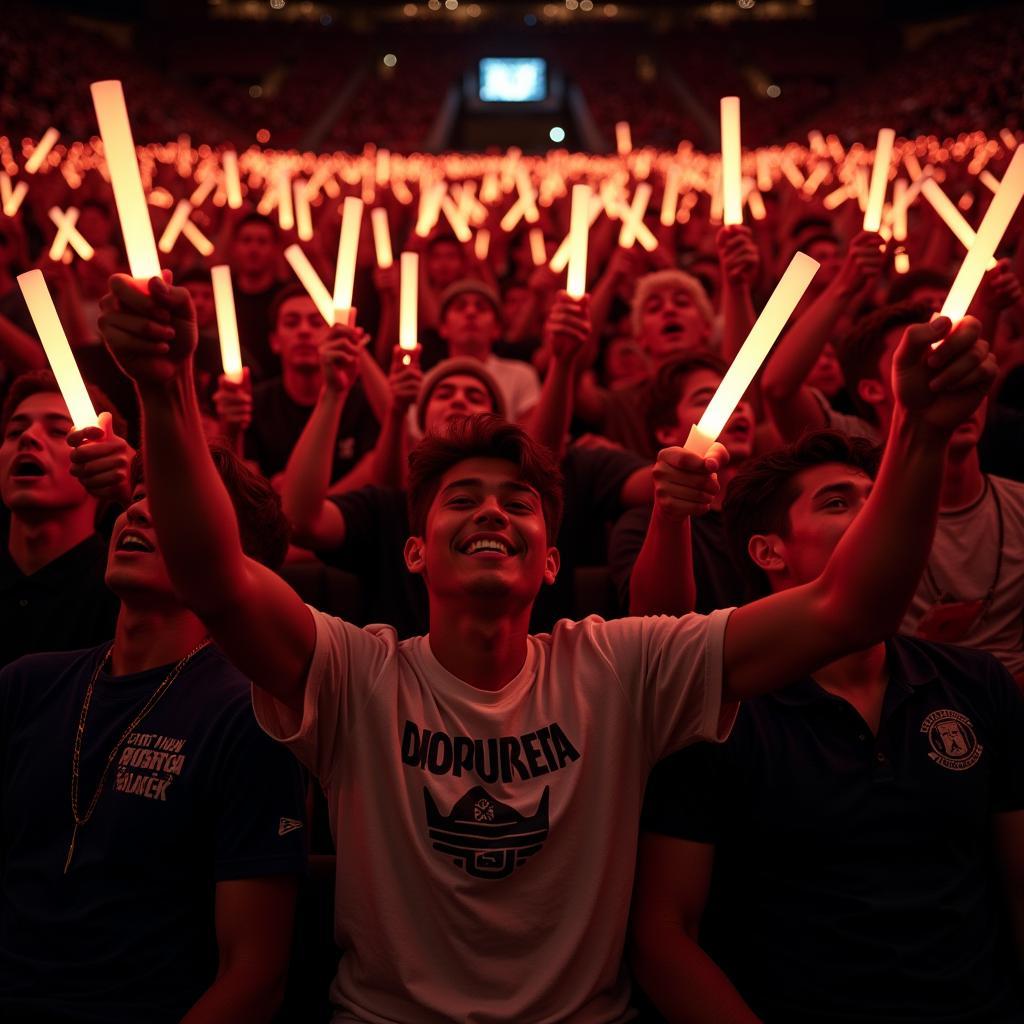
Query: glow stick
x=990 y=232
x=119 y=150
x=285 y=209
x=310 y=279
x=1009 y=139
x=732 y=195
x=409 y=264
x=762 y=336
x=950 y=215
x=227 y=323
x=670 y=197
x=912 y=164
x=901 y=262
x=57 y=349
x=455 y=218
x=764 y=174
x=203 y=190
x=232 y=182
x=815 y=178
x=430 y=208
x=174 y=226
x=623 y=138
x=482 y=244
x=538 y=250
x=303 y=214
x=560 y=260
x=989 y=180
x=879 y=179
x=67 y=234
x=792 y=173
x=43 y=147
x=381 y=237
x=579 y=231
x=348 y=246
x=11 y=197
x=899 y=210
x=191 y=231
x=633 y=215
x=756 y=205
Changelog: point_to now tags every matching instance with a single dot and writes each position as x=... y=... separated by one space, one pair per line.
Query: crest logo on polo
x=485 y=837
x=951 y=736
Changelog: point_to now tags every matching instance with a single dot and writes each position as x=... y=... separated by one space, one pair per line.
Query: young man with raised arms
x=485 y=784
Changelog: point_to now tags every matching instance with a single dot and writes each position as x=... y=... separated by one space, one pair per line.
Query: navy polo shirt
x=854 y=875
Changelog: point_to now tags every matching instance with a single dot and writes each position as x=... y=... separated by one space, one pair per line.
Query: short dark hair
x=761 y=494
x=286 y=294
x=665 y=389
x=252 y=217
x=861 y=349
x=489 y=437
x=43 y=381
x=262 y=525
x=904 y=285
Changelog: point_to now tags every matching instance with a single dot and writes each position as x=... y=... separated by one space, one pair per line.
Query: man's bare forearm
x=308 y=473
x=549 y=422
x=661 y=582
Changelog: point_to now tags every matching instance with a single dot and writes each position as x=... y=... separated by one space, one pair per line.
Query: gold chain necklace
x=81 y=819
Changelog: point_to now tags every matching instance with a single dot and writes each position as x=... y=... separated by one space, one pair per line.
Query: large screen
x=513 y=79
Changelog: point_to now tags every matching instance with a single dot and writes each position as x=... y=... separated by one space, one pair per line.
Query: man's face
x=698 y=388
x=829 y=498
x=444 y=264
x=826 y=374
x=469 y=324
x=485 y=537
x=135 y=568
x=253 y=249
x=826 y=252
x=35 y=459
x=299 y=332
x=202 y=299
x=671 y=323
x=461 y=394
x=625 y=362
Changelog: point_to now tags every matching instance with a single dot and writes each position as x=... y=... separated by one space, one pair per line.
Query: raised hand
x=738 y=254
x=865 y=261
x=233 y=404
x=940 y=387
x=339 y=357
x=102 y=461
x=686 y=484
x=1000 y=287
x=151 y=335
x=567 y=326
x=404 y=379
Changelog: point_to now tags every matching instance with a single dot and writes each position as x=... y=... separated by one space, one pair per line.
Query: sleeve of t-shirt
x=671 y=671
x=259 y=804
x=853 y=426
x=601 y=474
x=361 y=510
x=684 y=797
x=347 y=665
x=624 y=548
x=1008 y=721
x=526 y=390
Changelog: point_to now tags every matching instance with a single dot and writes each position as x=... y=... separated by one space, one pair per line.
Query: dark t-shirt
x=253 y=312
x=854 y=876
x=278 y=421
x=719 y=583
x=63 y=606
x=197 y=795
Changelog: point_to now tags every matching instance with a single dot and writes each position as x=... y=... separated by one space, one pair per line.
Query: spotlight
x=745 y=5
x=451 y=4
x=434 y=5
x=390 y=60
x=277 y=4
x=255 y=91
x=263 y=135
x=410 y=10
x=773 y=91
x=610 y=10
x=473 y=10
x=586 y=5
x=557 y=134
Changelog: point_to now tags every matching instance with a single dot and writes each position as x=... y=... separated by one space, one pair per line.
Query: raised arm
x=388 y=459
x=258 y=621
x=739 y=260
x=790 y=401
x=862 y=594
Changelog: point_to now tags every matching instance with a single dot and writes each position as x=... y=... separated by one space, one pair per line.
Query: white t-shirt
x=487 y=841
x=962 y=565
x=519 y=383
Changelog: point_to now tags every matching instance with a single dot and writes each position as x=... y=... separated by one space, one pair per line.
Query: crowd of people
x=446 y=684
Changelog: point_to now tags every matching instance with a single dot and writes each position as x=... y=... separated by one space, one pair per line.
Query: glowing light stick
x=57 y=349
x=879 y=179
x=989 y=180
x=303 y=214
x=990 y=232
x=1009 y=139
x=285 y=210
x=119 y=150
x=11 y=197
x=732 y=185
x=560 y=260
x=538 y=250
x=815 y=178
x=174 y=226
x=912 y=164
x=579 y=231
x=899 y=210
x=762 y=336
x=315 y=288
x=227 y=323
x=409 y=264
x=381 y=237
x=670 y=197
x=792 y=173
x=430 y=208
x=203 y=190
x=756 y=204
x=950 y=215
x=348 y=246
x=67 y=234
x=482 y=244
x=43 y=147
x=197 y=238
x=633 y=215
x=456 y=219
x=764 y=174
x=623 y=138
x=232 y=182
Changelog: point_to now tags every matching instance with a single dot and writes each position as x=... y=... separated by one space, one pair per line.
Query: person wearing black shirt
x=254 y=254
x=150 y=832
x=52 y=596
x=854 y=851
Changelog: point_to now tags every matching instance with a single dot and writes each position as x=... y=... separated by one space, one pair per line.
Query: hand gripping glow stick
x=315 y=288
x=348 y=246
x=232 y=182
x=68 y=234
x=990 y=232
x=43 y=147
x=762 y=336
x=57 y=349
x=879 y=179
x=227 y=323
x=951 y=216
x=579 y=230
x=409 y=271
x=119 y=150
x=381 y=237
x=732 y=185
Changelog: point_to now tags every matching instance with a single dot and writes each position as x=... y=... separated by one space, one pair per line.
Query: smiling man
x=150 y=833
x=485 y=784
